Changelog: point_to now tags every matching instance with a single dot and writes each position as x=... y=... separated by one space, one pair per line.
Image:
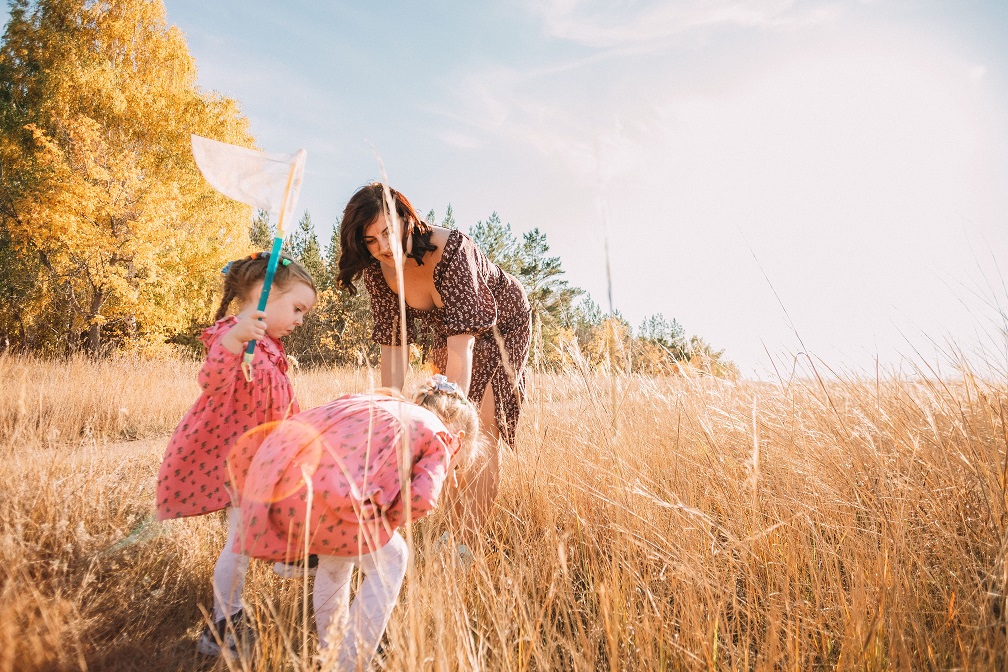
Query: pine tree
x=347 y=317
x=449 y=219
x=261 y=232
x=304 y=248
x=550 y=295
x=332 y=252
x=583 y=318
x=338 y=330
x=668 y=335
x=498 y=243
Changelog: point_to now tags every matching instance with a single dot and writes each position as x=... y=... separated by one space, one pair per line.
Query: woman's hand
x=458 y=368
x=250 y=327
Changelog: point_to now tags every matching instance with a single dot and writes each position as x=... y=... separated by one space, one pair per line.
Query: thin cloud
x=496 y=104
x=602 y=25
x=458 y=139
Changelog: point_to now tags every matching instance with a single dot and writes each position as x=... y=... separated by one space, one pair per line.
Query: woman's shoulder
x=440 y=235
x=454 y=239
x=457 y=248
x=439 y=239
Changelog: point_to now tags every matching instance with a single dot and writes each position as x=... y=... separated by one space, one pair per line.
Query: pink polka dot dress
x=478 y=297
x=348 y=449
x=193 y=478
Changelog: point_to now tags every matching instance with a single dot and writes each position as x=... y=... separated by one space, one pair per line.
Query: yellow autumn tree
x=100 y=201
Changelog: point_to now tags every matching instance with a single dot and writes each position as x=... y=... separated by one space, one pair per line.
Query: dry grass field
x=682 y=523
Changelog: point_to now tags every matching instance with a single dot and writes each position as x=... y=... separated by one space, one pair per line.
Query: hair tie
x=227 y=267
x=440 y=384
x=266 y=255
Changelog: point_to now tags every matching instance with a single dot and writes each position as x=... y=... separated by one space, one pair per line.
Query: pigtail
x=232 y=271
x=225 y=304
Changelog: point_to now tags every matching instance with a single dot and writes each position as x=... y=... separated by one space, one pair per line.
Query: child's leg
x=229 y=572
x=331 y=597
x=372 y=606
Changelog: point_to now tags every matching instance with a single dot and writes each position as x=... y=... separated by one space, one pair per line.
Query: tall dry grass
x=122 y=398
x=682 y=523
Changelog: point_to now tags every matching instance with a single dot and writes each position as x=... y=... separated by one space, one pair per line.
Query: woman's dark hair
x=365 y=207
x=241 y=275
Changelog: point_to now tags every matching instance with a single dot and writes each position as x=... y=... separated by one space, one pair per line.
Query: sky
x=780 y=176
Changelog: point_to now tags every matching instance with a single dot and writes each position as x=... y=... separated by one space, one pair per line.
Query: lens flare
x=272 y=461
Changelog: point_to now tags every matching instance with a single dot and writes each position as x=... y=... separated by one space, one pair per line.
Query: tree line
x=569 y=328
x=110 y=239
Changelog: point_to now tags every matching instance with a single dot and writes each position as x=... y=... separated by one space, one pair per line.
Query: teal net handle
x=271 y=267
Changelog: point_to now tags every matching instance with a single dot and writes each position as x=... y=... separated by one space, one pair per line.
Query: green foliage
x=582 y=319
x=101 y=202
x=303 y=246
x=667 y=335
x=338 y=330
x=498 y=242
x=332 y=251
x=262 y=232
x=548 y=292
x=449 y=219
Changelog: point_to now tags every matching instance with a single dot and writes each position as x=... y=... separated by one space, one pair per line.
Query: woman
x=480 y=315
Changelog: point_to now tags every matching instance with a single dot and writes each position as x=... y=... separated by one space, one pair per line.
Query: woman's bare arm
x=392 y=372
x=459 y=366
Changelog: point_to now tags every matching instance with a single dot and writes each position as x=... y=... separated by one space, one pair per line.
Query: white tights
x=229 y=572
x=363 y=623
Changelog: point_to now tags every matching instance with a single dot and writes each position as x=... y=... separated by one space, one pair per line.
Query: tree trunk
x=94 y=330
x=71 y=338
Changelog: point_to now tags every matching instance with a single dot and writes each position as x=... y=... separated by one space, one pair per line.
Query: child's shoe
x=293 y=570
x=465 y=556
x=231 y=635
x=462 y=553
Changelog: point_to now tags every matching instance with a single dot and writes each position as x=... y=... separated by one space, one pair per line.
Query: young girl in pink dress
x=331 y=475
x=194 y=477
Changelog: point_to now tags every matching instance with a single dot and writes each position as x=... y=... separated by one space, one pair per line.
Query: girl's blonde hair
x=456 y=412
